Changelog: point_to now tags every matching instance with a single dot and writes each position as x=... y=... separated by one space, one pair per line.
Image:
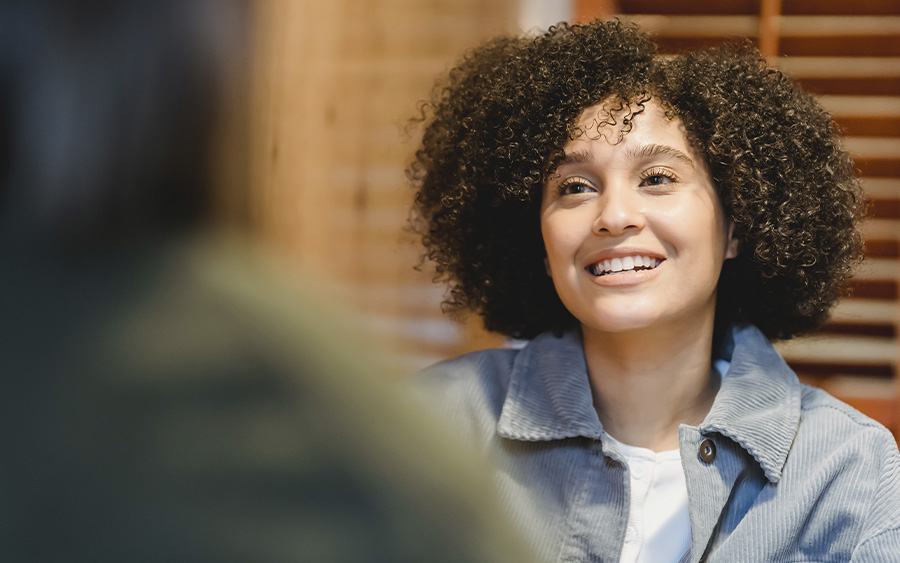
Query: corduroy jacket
x=777 y=472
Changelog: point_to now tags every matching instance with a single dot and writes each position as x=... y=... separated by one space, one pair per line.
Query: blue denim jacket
x=793 y=475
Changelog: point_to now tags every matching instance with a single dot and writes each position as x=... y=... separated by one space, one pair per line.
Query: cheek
x=560 y=242
x=548 y=235
x=697 y=222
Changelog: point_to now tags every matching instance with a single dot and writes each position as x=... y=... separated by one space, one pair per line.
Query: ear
x=733 y=247
x=547 y=266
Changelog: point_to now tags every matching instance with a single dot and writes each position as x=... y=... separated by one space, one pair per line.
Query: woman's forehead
x=628 y=127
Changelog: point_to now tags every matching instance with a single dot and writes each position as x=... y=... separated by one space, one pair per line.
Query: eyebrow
x=577 y=157
x=646 y=151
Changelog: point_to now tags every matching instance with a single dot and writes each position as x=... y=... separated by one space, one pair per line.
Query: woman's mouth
x=623 y=265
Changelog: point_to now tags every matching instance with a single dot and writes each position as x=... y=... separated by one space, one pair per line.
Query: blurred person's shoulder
x=190 y=383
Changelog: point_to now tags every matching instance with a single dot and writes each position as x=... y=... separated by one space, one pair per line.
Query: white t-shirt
x=659 y=525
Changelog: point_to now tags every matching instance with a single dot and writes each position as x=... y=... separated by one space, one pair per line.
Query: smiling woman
x=650 y=224
x=639 y=196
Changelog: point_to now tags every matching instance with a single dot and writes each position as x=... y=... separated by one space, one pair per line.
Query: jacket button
x=707 y=450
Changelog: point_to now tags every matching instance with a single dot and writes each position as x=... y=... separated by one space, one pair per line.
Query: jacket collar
x=758 y=404
x=549 y=396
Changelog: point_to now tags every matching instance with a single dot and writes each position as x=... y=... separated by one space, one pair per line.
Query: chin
x=619 y=325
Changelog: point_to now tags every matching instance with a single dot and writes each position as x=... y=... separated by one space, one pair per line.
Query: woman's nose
x=620 y=211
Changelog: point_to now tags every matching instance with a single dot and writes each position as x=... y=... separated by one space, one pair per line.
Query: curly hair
x=496 y=127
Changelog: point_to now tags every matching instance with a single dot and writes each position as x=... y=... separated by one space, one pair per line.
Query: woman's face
x=634 y=231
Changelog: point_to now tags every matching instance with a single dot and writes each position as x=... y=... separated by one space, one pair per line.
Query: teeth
x=624 y=264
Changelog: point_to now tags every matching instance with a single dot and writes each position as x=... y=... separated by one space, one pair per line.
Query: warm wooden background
x=336 y=81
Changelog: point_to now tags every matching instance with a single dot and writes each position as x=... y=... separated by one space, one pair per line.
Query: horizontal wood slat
x=823 y=368
x=689 y=7
x=879 y=148
x=884 y=209
x=885 y=330
x=791 y=46
x=830 y=67
x=878 y=166
x=854 y=7
x=878 y=86
x=861 y=310
x=789 y=27
x=883 y=248
x=841 y=46
x=869 y=354
x=881 y=229
x=874 y=289
x=883 y=126
x=882 y=188
x=751 y=7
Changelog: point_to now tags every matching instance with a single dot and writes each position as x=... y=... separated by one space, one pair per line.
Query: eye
x=575 y=185
x=657 y=177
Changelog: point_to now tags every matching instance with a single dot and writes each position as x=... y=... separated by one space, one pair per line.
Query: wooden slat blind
x=335 y=82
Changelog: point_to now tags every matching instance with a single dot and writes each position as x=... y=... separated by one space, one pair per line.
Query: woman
x=650 y=224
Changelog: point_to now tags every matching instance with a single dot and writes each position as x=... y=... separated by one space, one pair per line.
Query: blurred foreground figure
x=165 y=396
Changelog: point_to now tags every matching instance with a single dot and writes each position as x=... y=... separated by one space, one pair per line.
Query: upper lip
x=611 y=253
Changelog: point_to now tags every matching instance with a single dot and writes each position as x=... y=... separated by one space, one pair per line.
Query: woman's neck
x=646 y=383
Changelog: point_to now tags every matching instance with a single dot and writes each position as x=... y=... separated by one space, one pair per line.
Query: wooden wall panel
x=335 y=83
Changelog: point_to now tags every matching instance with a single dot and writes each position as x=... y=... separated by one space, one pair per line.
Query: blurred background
x=336 y=82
